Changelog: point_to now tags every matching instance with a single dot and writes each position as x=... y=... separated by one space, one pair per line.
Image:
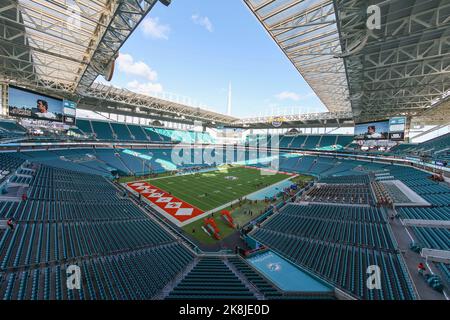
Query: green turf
x=240 y=216
x=210 y=190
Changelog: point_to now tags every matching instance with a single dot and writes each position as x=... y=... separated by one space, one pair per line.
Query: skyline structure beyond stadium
x=399 y=68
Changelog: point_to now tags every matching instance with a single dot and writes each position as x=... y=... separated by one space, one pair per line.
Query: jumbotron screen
x=29 y=104
x=378 y=130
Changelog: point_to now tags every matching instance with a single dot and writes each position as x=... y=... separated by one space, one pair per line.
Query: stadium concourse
x=148 y=197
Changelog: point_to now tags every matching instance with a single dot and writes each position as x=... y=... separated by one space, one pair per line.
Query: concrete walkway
x=412 y=259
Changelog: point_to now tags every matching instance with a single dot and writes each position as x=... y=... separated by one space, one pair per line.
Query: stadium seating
x=403 y=148
x=139 y=134
x=80 y=217
x=359 y=179
x=328 y=140
x=436 y=193
x=433 y=238
x=12 y=126
x=173 y=135
x=321 y=165
x=102 y=130
x=207 y=138
x=85 y=126
x=153 y=135
x=438 y=213
x=6 y=135
x=115 y=131
x=394 y=193
x=11 y=130
x=81 y=160
x=8 y=164
x=344 y=141
x=297 y=142
x=437 y=148
x=342 y=193
x=74 y=131
x=121 y=131
x=346 y=242
x=312 y=142
x=136 y=275
x=211 y=279
x=292 y=221
x=445 y=269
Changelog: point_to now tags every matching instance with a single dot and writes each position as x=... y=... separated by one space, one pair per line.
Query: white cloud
x=152 y=28
x=140 y=69
x=127 y=65
x=202 y=21
x=148 y=88
x=288 y=95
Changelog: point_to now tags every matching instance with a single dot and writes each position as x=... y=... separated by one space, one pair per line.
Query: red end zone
x=176 y=210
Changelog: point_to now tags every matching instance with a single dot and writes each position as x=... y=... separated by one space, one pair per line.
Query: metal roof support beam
x=309 y=38
x=125 y=18
x=121 y=96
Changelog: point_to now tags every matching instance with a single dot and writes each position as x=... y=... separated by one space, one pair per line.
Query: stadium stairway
x=253 y=289
x=170 y=286
x=332 y=169
x=85 y=126
x=211 y=278
x=138 y=133
x=313 y=164
x=121 y=132
x=111 y=157
x=122 y=162
x=103 y=130
x=264 y=288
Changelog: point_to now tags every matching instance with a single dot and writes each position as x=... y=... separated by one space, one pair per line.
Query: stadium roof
x=402 y=68
x=60 y=46
x=64 y=45
x=308 y=120
x=103 y=98
x=307 y=33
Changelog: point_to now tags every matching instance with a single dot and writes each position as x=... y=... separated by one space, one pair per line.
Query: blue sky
x=195 y=48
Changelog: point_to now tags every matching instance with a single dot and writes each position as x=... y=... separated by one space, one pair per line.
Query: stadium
x=113 y=194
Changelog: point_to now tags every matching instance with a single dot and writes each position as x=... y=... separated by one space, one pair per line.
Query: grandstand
x=150 y=197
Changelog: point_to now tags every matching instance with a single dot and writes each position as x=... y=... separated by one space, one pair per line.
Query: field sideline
x=210 y=190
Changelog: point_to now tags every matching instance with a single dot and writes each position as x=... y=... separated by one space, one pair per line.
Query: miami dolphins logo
x=274 y=267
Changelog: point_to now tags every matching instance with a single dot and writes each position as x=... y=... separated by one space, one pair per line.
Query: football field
x=209 y=190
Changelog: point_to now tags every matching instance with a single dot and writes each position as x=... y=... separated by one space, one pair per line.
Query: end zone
x=176 y=210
